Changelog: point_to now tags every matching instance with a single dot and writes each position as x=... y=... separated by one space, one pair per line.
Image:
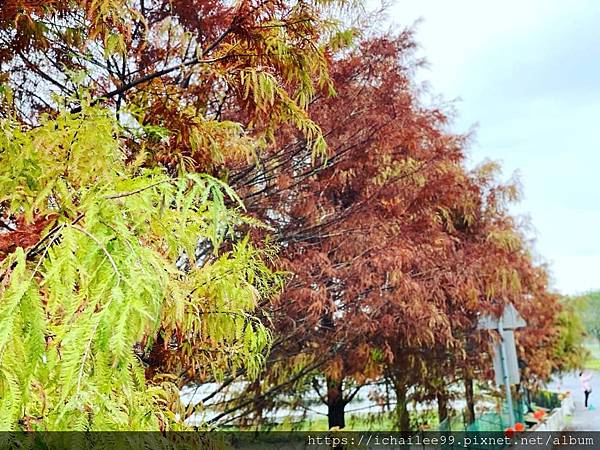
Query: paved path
x=583 y=419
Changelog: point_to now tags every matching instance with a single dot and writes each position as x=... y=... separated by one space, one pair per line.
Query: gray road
x=583 y=419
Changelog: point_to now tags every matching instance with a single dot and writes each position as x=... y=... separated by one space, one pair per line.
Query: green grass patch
x=360 y=422
x=592 y=364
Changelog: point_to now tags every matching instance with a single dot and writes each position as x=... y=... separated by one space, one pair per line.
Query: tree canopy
x=206 y=191
x=90 y=287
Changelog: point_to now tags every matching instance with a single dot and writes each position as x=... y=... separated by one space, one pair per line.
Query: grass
x=592 y=364
x=358 y=422
x=354 y=422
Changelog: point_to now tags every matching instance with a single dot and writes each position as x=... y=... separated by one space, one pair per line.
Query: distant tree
x=586 y=306
x=570 y=351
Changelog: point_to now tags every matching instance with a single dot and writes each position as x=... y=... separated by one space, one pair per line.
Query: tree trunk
x=442 y=401
x=401 y=410
x=470 y=397
x=335 y=404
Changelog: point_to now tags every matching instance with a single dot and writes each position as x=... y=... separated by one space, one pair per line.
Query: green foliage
x=569 y=349
x=100 y=280
x=588 y=307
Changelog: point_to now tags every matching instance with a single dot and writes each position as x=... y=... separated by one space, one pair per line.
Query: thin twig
x=136 y=191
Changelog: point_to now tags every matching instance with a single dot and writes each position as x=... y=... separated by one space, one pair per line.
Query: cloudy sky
x=527 y=73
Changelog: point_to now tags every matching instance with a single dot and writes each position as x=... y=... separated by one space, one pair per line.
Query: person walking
x=584 y=378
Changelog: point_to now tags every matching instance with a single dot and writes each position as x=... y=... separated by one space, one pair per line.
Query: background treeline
x=586 y=307
x=250 y=194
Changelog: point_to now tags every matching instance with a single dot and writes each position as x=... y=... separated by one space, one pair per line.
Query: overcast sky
x=527 y=73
